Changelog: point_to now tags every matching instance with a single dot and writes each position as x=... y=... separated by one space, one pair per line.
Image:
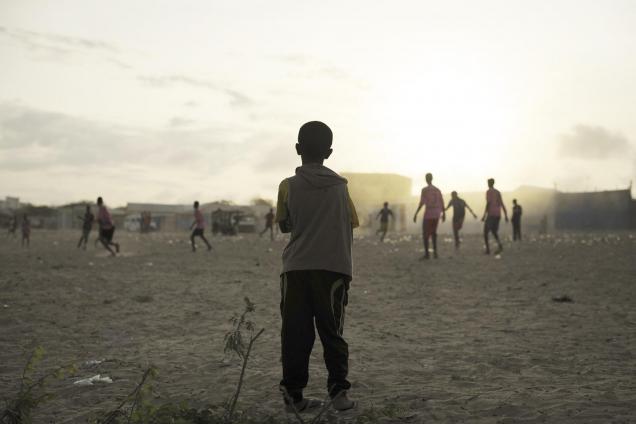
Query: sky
x=170 y=101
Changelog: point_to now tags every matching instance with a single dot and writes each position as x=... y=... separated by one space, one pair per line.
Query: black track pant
x=307 y=296
x=516 y=230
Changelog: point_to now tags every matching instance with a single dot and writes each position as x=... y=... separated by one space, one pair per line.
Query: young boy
x=198 y=227
x=492 y=215
x=13 y=226
x=517 y=211
x=432 y=198
x=459 y=206
x=269 y=224
x=384 y=215
x=315 y=207
x=87 y=226
x=26 y=231
x=106 y=227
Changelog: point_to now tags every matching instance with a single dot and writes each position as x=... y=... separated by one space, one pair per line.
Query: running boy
x=432 y=198
x=269 y=224
x=26 y=231
x=198 y=227
x=106 y=227
x=13 y=226
x=459 y=206
x=517 y=211
x=314 y=205
x=492 y=215
x=87 y=226
x=384 y=215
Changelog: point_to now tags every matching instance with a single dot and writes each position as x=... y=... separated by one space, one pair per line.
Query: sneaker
x=304 y=405
x=342 y=403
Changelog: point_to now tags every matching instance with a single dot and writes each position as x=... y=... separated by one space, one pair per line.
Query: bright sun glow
x=454 y=119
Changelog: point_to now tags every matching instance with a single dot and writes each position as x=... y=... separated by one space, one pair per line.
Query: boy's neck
x=307 y=161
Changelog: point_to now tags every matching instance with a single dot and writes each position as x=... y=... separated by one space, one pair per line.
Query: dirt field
x=466 y=338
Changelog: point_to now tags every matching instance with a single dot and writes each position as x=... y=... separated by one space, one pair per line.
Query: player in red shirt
x=432 y=198
x=198 y=227
x=492 y=215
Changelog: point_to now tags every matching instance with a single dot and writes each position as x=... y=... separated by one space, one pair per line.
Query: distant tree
x=257 y=201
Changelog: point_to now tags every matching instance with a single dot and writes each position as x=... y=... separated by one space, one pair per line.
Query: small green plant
x=32 y=391
x=235 y=342
x=138 y=408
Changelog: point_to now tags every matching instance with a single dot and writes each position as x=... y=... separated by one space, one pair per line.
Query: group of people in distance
x=25 y=226
x=431 y=198
x=315 y=207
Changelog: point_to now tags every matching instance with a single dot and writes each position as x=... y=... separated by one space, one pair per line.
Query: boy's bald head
x=314 y=141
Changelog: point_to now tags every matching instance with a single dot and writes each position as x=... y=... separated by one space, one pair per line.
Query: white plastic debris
x=93 y=362
x=93 y=380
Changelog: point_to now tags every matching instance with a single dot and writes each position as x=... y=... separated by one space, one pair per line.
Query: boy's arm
x=282 y=213
x=503 y=206
x=419 y=207
x=471 y=211
x=450 y=202
x=441 y=201
x=355 y=222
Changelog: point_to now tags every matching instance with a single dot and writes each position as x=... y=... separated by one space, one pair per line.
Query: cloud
x=237 y=98
x=37 y=140
x=593 y=143
x=58 y=43
x=59 y=47
x=178 y=121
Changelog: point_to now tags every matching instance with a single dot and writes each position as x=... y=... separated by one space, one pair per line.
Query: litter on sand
x=93 y=362
x=92 y=380
x=562 y=299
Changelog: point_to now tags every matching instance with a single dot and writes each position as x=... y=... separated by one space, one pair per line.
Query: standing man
x=516 y=220
x=269 y=224
x=13 y=225
x=106 y=227
x=492 y=215
x=198 y=227
x=26 y=231
x=384 y=214
x=315 y=207
x=87 y=226
x=432 y=198
x=459 y=206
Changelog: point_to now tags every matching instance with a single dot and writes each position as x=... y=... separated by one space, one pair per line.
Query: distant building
x=10 y=203
x=601 y=210
x=69 y=216
x=163 y=217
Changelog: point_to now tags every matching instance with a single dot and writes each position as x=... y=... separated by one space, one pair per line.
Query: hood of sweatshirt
x=319 y=176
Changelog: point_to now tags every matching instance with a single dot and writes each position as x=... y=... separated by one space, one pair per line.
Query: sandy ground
x=466 y=338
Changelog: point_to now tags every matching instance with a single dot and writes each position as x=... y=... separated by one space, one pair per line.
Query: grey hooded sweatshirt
x=315 y=206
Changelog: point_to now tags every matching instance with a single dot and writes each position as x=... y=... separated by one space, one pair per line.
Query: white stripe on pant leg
x=332 y=297
x=342 y=311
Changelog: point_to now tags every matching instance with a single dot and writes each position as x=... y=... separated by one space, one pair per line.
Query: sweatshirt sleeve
x=282 y=213
x=355 y=222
